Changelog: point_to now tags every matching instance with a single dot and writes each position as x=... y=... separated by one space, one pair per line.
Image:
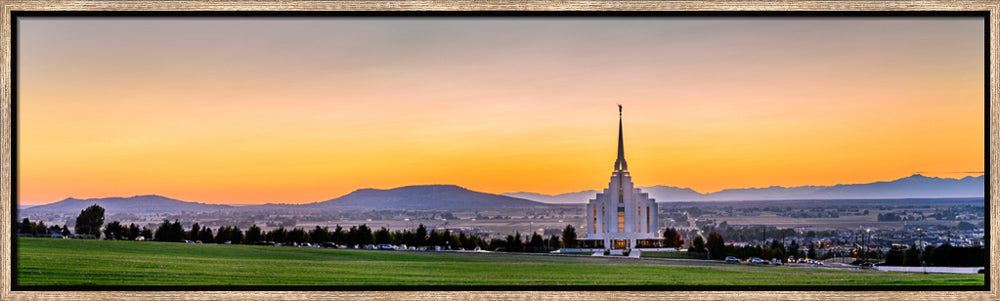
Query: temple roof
x=620 y=163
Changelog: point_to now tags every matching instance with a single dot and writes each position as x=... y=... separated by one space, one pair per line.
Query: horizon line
x=500 y=193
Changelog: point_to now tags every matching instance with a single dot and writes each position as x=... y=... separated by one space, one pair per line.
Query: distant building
x=621 y=217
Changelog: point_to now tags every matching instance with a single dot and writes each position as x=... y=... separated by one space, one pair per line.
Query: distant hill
x=915 y=186
x=671 y=193
x=424 y=197
x=134 y=204
x=451 y=197
x=565 y=198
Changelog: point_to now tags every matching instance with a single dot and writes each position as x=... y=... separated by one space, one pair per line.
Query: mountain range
x=423 y=197
x=134 y=204
x=915 y=186
x=452 y=197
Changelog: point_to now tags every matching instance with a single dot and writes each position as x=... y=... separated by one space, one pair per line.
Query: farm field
x=56 y=262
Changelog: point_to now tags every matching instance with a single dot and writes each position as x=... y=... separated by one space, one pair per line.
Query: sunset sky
x=254 y=110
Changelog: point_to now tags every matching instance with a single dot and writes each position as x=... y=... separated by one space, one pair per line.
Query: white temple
x=622 y=217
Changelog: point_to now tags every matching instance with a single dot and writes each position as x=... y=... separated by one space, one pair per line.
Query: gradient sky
x=253 y=110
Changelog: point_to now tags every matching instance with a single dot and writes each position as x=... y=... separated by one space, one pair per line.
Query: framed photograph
x=498 y=150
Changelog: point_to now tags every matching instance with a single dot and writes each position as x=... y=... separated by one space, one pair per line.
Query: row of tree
x=359 y=235
x=118 y=231
x=27 y=227
x=88 y=223
x=943 y=255
x=716 y=248
x=91 y=219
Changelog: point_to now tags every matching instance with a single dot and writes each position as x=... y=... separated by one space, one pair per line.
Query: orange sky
x=301 y=110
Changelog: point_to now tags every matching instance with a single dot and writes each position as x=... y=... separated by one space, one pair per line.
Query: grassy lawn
x=44 y=261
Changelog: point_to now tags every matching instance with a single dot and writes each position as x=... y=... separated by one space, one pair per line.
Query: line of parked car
x=331 y=245
x=773 y=261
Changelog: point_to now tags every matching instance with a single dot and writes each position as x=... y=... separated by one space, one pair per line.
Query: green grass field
x=42 y=261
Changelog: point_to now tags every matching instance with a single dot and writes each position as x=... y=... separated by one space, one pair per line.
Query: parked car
x=776 y=261
x=386 y=247
x=755 y=260
x=732 y=259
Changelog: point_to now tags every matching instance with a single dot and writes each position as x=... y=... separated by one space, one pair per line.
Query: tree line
x=27 y=227
x=90 y=221
x=943 y=255
x=360 y=235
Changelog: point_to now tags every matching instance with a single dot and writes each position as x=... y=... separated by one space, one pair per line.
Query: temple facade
x=622 y=216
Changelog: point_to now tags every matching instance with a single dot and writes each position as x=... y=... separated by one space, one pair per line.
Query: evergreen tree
x=235 y=235
x=90 y=220
x=514 y=243
x=338 y=236
x=793 y=249
x=40 y=229
x=465 y=241
x=434 y=239
x=279 y=235
x=382 y=236
x=178 y=231
x=697 y=245
x=148 y=234
x=223 y=235
x=114 y=231
x=298 y=235
x=319 y=235
x=537 y=244
x=170 y=231
x=27 y=227
x=195 y=232
x=253 y=234
x=206 y=236
x=421 y=236
x=569 y=236
x=133 y=231
x=453 y=241
x=716 y=245
x=672 y=239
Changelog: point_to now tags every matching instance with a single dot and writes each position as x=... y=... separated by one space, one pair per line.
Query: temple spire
x=620 y=162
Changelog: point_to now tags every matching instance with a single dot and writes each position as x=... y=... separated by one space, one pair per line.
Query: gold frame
x=993 y=6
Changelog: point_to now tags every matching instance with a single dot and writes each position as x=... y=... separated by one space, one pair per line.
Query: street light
x=921 y=232
x=868 y=240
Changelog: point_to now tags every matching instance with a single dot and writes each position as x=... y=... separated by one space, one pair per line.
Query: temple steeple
x=621 y=216
x=620 y=162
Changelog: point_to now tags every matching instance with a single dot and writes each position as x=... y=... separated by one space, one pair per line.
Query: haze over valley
x=451 y=197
